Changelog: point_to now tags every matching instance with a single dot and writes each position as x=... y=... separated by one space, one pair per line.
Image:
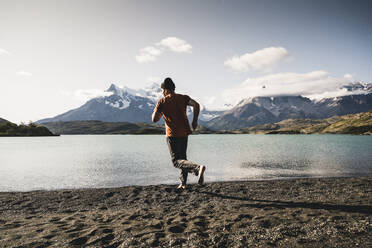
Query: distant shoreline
x=54 y=135
x=193 y=134
x=358 y=124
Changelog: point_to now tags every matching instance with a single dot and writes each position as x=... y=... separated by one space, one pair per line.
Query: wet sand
x=328 y=212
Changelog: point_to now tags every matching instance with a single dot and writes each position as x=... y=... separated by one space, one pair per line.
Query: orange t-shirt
x=173 y=109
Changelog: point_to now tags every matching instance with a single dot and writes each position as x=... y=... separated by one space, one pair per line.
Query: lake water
x=94 y=161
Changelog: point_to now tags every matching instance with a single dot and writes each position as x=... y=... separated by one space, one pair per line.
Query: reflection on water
x=283 y=165
x=117 y=160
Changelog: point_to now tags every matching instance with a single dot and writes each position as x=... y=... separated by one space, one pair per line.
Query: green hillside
x=352 y=124
x=99 y=127
x=10 y=129
x=360 y=123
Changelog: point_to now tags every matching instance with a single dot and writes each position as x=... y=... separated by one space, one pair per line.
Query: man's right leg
x=181 y=148
x=177 y=147
x=188 y=166
x=175 y=150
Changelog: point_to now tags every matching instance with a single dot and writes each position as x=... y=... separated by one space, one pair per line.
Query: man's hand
x=194 y=124
x=156 y=116
x=196 y=109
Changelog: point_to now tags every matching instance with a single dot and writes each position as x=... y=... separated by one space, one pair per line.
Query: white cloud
x=260 y=60
x=315 y=85
x=176 y=45
x=4 y=52
x=85 y=95
x=65 y=93
x=208 y=100
x=150 y=53
x=153 y=80
x=348 y=76
x=145 y=57
x=24 y=73
x=151 y=50
x=215 y=103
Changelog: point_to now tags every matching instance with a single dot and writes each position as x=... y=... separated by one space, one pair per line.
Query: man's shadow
x=363 y=209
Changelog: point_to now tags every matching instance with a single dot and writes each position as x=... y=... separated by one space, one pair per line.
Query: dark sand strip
x=328 y=212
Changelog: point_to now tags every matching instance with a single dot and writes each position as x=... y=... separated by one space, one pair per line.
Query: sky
x=55 y=55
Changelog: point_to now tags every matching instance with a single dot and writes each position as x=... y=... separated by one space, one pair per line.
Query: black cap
x=168 y=84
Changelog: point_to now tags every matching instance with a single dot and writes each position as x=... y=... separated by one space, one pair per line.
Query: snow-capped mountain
x=153 y=91
x=136 y=105
x=123 y=105
x=263 y=110
x=359 y=88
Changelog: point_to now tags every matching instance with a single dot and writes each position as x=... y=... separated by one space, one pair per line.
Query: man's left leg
x=188 y=166
x=177 y=148
x=182 y=159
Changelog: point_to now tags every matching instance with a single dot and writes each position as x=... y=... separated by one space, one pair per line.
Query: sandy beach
x=327 y=212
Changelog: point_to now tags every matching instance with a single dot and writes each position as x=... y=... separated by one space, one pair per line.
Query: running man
x=173 y=108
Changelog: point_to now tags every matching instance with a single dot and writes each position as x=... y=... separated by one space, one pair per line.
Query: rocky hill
x=360 y=123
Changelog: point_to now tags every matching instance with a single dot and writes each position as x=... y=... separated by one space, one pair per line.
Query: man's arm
x=196 y=109
x=156 y=116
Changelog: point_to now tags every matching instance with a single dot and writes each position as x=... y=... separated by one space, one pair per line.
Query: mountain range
x=261 y=110
x=123 y=105
x=136 y=106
